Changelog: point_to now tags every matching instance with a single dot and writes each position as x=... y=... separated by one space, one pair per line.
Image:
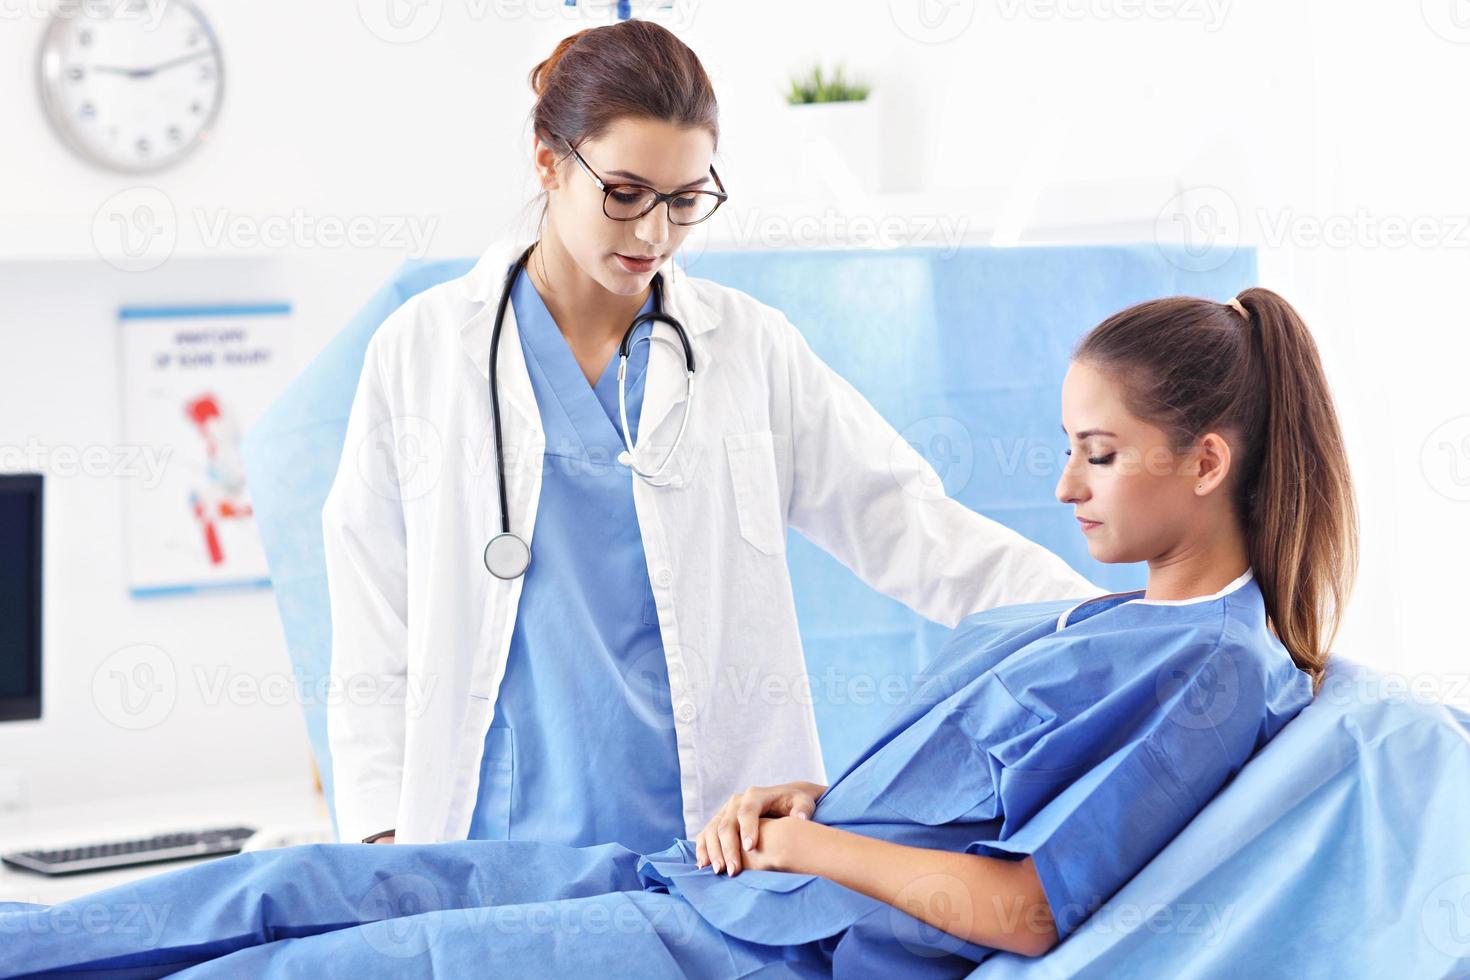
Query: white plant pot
x=840 y=148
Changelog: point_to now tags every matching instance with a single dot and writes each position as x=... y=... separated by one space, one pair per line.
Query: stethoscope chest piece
x=507 y=556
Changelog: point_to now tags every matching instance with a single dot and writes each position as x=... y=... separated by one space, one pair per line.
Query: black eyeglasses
x=629 y=202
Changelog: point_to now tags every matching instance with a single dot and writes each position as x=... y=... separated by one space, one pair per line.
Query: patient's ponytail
x=1250 y=369
x=1303 y=526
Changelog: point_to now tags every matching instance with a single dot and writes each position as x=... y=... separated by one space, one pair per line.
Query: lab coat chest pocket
x=758 y=501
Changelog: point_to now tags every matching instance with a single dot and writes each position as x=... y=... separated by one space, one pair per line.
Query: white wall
x=1063 y=120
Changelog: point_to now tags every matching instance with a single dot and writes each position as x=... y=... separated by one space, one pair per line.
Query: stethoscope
x=508 y=555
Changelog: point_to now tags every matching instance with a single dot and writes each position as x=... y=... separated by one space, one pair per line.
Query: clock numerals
x=132 y=93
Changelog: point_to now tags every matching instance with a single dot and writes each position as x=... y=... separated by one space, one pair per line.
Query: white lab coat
x=421 y=631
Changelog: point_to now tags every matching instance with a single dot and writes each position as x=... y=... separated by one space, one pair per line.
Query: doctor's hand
x=736 y=828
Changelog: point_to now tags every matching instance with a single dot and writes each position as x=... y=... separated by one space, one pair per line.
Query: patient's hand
x=736 y=828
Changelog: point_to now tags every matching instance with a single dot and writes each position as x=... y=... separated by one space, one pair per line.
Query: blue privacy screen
x=962 y=351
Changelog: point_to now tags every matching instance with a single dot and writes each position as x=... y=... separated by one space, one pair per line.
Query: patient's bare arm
x=988 y=901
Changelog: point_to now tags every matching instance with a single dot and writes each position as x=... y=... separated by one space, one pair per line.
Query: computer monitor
x=20 y=596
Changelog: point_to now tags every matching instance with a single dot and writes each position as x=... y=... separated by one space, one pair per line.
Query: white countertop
x=293 y=808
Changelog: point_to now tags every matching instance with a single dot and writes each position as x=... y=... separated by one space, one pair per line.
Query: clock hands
x=155 y=69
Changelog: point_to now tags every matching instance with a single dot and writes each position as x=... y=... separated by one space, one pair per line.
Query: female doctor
x=562 y=613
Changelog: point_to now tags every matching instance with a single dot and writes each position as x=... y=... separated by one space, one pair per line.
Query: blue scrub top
x=581 y=750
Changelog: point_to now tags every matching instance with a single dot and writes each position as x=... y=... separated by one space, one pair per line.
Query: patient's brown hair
x=1192 y=366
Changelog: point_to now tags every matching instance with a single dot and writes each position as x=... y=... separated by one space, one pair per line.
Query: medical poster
x=194 y=379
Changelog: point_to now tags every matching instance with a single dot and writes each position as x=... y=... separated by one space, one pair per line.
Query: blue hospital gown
x=1085 y=736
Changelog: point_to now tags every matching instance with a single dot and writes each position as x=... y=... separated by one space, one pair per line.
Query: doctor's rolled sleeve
x=872 y=501
x=365 y=544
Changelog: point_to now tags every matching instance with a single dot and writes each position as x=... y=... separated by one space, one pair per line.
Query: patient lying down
x=1049 y=753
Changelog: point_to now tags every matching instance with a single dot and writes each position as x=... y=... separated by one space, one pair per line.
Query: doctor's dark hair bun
x=632 y=68
x=1253 y=375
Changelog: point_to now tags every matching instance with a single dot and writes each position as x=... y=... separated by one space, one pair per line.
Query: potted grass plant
x=837 y=119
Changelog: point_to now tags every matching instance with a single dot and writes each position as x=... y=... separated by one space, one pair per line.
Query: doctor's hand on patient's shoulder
x=734 y=832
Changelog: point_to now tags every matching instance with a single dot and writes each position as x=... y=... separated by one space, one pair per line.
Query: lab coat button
x=686 y=711
x=664 y=578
